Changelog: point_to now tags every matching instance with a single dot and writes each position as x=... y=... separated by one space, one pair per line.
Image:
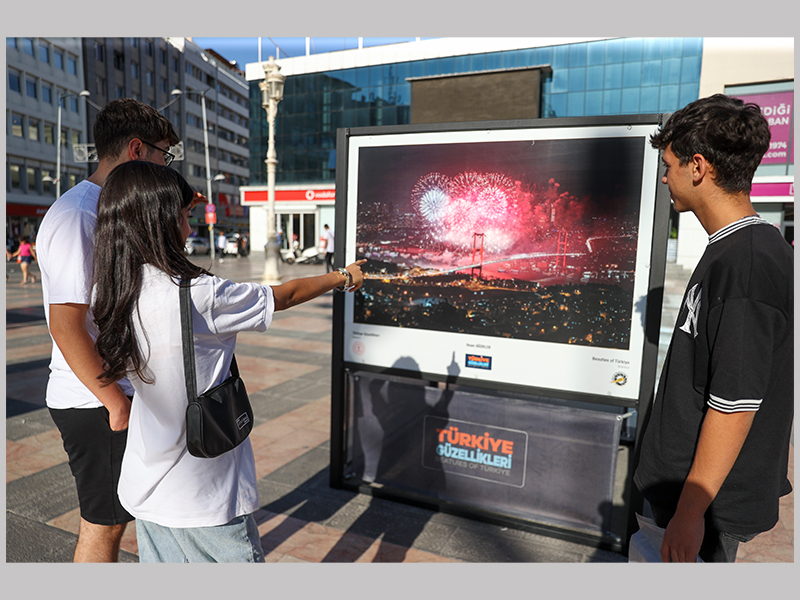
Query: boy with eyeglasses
x=92 y=418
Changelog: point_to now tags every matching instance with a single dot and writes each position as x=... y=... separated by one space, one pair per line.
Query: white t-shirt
x=327 y=234
x=160 y=481
x=64 y=251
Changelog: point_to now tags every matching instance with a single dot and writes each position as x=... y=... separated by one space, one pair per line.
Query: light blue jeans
x=235 y=541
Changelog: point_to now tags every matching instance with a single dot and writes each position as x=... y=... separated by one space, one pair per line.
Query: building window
x=14 y=177
x=164 y=84
x=149 y=78
x=44 y=52
x=99 y=51
x=76 y=138
x=135 y=70
x=73 y=104
x=163 y=55
x=49 y=134
x=72 y=65
x=58 y=57
x=100 y=86
x=135 y=42
x=176 y=64
x=33 y=130
x=47 y=93
x=31 y=173
x=27 y=46
x=11 y=42
x=120 y=93
x=14 y=81
x=30 y=87
x=16 y=125
x=148 y=47
x=119 y=61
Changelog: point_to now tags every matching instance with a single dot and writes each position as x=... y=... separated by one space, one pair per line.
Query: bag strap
x=187 y=341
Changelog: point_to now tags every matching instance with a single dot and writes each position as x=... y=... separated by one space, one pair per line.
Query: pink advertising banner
x=778 y=109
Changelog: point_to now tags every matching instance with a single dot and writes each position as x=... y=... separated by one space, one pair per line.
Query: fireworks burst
x=431 y=195
x=470 y=203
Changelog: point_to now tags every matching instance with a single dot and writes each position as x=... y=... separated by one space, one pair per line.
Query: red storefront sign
x=309 y=195
x=15 y=209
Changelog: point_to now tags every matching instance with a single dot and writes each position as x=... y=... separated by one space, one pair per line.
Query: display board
x=514 y=255
x=522 y=257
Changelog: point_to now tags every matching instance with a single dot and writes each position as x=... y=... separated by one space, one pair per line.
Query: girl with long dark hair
x=187 y=509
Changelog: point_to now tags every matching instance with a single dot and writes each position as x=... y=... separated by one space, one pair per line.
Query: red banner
x=262 y=196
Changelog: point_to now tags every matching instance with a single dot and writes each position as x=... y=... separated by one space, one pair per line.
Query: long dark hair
x=138 y=222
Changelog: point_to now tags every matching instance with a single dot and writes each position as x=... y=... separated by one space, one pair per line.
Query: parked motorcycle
x=310 y=256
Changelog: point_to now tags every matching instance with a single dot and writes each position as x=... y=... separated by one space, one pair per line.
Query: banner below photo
x=531 y=460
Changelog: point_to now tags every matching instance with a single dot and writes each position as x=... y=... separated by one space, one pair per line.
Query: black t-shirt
x=732 y=349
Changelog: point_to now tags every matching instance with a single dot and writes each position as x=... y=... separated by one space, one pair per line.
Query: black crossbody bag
x=221 y=418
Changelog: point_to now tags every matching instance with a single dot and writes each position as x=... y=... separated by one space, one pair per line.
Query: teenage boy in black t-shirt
x=714 y=455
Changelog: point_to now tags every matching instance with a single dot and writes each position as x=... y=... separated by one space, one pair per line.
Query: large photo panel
x=517 y=256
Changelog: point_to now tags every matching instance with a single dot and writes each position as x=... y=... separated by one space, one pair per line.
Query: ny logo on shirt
x=693 y=310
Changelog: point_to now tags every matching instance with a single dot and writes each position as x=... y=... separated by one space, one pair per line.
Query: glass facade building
x=603 y=77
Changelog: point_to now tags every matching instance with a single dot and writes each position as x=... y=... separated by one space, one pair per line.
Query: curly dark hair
x=124 y=119
x=138 y=223
x=731 y=135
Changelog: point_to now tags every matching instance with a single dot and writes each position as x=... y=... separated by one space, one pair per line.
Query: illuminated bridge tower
x=561 y=253
x=477 y=247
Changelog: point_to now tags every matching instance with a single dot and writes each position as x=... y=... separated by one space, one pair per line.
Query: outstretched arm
x=297 y=291
x=721 y=438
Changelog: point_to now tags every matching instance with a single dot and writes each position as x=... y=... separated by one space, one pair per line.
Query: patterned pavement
x=302 y=519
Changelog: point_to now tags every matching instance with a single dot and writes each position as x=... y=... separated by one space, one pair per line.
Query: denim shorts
x=234 y=542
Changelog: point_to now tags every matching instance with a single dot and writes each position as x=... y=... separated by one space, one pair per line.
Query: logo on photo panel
x=475 y=450
x=474 y=361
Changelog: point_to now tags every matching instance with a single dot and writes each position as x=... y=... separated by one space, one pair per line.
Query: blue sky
x=245 y=49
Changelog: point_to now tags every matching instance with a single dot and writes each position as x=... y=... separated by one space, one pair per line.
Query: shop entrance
x=299 y=227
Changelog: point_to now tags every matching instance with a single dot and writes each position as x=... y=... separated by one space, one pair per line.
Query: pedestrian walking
x=26 y=253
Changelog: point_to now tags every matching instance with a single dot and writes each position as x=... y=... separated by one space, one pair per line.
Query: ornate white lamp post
x=271 y=95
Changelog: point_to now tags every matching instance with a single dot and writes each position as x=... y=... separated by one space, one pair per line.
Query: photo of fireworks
x=532 y=240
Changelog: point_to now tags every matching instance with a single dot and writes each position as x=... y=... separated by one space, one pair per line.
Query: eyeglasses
x=168 y=156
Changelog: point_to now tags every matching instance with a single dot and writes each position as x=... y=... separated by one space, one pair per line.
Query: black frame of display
x=340 y=368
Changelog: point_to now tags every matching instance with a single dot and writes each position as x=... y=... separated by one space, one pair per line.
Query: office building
x=578 y=78
x=39 y=73
x=42 y=70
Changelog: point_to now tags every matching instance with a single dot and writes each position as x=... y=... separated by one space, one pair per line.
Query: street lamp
x=61 y=98
x=271 y=94
x=176 y=93
x=216 y=179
